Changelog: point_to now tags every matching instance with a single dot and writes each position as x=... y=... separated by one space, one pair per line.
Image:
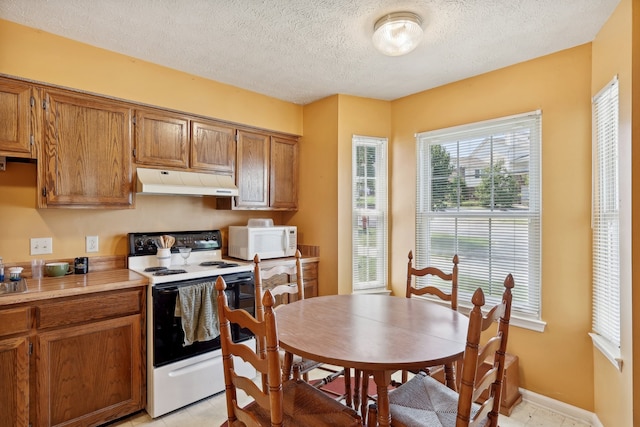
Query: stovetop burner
x=219 y=264
x=150 y=269
x=166 y=272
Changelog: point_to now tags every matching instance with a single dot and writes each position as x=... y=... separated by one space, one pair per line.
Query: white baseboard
x=561 y=408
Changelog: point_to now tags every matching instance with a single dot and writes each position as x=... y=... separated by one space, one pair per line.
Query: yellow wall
x=358 y=116
x=325 y=179
x=318 y=205
x=42 y=57
x=613 y=390
x=558 y=362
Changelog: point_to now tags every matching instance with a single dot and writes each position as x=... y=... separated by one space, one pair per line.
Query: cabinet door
x=14 y=383
x=252 y=170
x=86 y=158
x=90 y=374
x=15 y=113
x=283 y=183
x=162 y=139
x=310 y=276
x=213 y=147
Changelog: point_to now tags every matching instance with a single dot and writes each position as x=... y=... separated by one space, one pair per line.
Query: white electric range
x=179 y=375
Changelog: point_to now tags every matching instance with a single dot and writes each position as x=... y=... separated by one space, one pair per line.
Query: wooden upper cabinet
x=213 y=147
x=252 y=170
x=15 y=118
x=161 y=139
x=283 y=181
x=86 y=154
x=266 y=172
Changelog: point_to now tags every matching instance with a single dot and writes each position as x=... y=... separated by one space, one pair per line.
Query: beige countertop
x=74 y=284
x=97 y=281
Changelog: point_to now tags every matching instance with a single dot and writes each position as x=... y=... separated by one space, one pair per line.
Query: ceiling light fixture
x=397 y=33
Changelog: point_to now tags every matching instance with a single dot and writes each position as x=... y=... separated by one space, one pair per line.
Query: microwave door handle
x=286 y=240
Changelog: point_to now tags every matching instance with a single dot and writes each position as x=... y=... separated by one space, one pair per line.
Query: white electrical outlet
x=41 y=245
x=91 y=243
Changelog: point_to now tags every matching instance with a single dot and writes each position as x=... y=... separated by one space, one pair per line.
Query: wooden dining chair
x=277 y=403
x=424 y=401
x=452 y=297
x=361 y=380
x=284 y=293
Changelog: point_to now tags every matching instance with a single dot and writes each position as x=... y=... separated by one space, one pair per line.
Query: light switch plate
x=41 y=246
x=91 y=243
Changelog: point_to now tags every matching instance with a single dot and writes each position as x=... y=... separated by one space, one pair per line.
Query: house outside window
x=490 y=217
x=369 y=213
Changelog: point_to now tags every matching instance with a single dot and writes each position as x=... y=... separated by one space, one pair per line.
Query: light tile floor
x=212 y=412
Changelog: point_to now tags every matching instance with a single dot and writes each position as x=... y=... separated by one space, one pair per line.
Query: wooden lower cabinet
x=310 y=276
x=14 y=382
x=75 y=361
x=89 y=374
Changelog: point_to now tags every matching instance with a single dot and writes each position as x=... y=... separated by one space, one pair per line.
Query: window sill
x=535 y=325
x=377 y=291
x=516 y=320
x=609 y=351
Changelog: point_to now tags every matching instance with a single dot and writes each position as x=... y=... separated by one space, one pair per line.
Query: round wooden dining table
x=377 y=333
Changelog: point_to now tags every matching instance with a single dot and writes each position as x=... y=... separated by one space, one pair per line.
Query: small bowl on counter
x=57 y=269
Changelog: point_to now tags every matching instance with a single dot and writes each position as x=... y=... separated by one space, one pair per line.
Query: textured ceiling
x=304 y=50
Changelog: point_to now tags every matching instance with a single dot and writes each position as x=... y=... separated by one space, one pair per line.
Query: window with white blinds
x=605 y=216
x=478 y=196
x=369 y=213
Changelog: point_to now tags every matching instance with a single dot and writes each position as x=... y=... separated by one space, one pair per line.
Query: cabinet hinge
x=33 y=102
x=236 y=136
x=134 y=153
x=133 y=120
x=30 y=348
x=44 y=105
x=44 y=192
x=31 y=140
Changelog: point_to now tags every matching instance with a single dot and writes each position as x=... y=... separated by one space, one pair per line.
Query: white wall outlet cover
x=41 y=246
x=91 y=243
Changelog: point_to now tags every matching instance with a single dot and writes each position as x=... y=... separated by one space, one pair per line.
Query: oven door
x=168 y=336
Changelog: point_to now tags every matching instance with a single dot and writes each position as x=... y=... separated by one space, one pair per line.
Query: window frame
x=380 y=213
x=528 y=311
x=605 y=223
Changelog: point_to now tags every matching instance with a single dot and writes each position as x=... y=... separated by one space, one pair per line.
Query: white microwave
x=268 y=242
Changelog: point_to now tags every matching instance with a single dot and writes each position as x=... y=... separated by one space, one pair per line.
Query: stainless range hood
x=160 y=181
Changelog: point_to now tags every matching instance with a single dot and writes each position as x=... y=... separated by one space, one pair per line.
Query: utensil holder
x=164 y=257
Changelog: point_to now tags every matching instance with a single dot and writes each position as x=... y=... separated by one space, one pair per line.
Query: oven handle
x=230 y=286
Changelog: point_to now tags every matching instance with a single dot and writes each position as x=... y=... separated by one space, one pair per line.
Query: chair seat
x=424 y=401
x=306 y=406
x=300 y=363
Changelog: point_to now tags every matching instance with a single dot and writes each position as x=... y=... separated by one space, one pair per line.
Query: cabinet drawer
x=89 y=308
x=15 y=320
x=310 y=270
